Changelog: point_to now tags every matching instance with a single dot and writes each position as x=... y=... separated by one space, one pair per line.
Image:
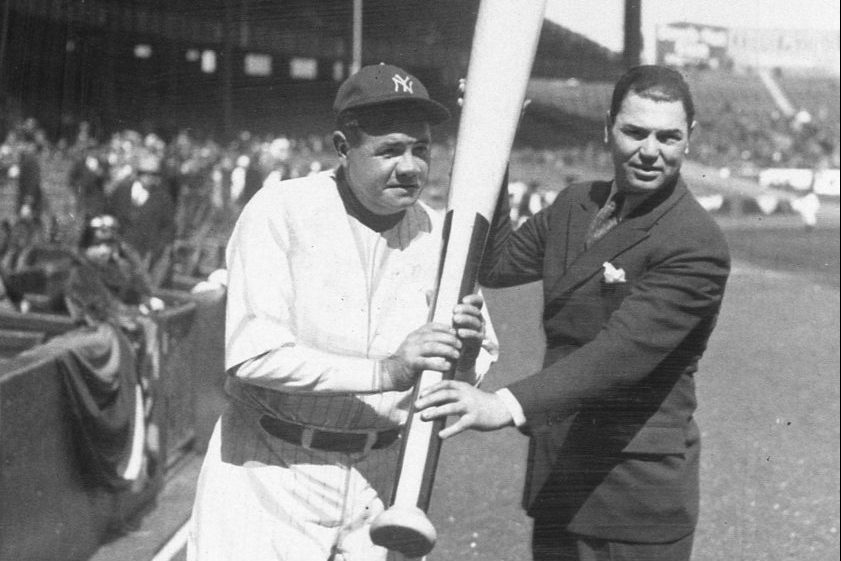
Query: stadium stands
x=584 y=99
x=817 y=94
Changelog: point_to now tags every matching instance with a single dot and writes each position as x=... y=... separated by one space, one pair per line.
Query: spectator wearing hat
x=30 y=196
x=118 y=265
x=146 y=214
x=326 y=331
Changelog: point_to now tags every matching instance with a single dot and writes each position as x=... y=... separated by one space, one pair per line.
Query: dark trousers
x=551 y=542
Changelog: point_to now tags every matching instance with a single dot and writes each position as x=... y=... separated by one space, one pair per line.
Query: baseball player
x=329 y=279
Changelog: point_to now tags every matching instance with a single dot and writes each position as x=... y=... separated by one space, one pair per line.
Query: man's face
x=648 y=140
x=388 y=167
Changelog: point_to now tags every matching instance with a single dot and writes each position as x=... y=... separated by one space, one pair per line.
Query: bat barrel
x=501 y=59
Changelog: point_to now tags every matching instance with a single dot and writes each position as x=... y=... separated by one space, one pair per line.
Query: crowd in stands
x=141 y=211
x=135 y=209
x=746 y=143
x=744 y=128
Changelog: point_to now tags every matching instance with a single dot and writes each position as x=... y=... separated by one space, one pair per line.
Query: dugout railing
x=49 y=508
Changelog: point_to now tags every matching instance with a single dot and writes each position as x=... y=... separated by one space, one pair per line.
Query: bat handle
x=404 y=526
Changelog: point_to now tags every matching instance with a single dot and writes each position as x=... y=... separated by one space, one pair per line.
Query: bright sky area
x=601 y=20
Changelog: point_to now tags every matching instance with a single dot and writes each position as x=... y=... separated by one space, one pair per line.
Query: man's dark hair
x=653 y=82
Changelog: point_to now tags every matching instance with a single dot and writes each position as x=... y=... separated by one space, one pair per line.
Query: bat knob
x=404 y=529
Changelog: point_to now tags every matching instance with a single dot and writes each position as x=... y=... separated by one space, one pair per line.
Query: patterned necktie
x=605 y=219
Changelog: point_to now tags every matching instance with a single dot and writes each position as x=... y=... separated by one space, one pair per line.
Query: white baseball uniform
x=315 y=300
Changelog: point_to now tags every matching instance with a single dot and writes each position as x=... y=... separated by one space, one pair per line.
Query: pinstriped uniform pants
x=260 y=498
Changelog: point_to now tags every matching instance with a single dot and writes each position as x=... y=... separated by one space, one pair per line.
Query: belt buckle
x=351 y=442
x=308 y=435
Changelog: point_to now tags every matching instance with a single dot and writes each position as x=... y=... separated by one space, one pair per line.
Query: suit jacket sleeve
x=680 y=291
x=513 y=257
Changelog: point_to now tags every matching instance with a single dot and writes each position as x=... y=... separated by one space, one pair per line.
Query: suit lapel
x=581 y=213
x=624 y=236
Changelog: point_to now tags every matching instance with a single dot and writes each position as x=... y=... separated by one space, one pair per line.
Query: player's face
x=387 y=170
x=648 y=140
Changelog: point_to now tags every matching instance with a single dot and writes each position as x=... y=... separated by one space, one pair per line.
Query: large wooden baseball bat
x=504 y=44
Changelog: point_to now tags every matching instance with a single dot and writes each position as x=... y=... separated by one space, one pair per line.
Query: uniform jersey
x=315 y=300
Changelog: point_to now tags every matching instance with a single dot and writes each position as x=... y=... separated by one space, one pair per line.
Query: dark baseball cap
x=387 y=85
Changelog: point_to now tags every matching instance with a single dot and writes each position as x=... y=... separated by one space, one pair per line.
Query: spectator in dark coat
x=146 y=214
x=87 y=183
x=119 y=267
x=30 y=197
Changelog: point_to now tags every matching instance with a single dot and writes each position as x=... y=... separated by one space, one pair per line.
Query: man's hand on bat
x=476 y=409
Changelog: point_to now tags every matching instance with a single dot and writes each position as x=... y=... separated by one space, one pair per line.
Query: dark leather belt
x=329 y=441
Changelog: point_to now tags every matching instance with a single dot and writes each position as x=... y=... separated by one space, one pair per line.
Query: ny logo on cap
x=402 y=82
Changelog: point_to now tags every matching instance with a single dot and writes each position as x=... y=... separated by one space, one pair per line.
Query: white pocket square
x=612 y=275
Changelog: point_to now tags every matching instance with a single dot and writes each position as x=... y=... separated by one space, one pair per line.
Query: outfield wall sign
x=694 y=45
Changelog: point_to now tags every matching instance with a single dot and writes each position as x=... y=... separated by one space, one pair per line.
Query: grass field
x=811 y=254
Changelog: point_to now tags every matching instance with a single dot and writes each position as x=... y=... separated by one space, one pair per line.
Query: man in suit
x=633 y=275
x=145 y=211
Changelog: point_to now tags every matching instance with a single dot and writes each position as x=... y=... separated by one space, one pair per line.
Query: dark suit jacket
x=88 y=186
x=614 y=447
x=148 y=228
x=29 y=184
